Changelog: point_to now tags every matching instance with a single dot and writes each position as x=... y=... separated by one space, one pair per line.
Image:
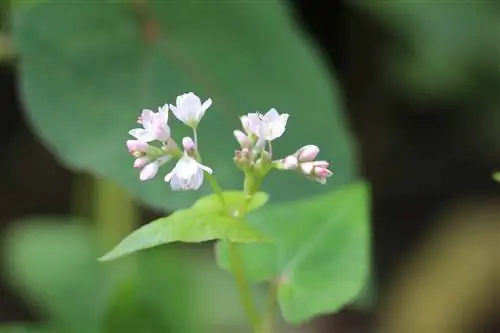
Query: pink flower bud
x=149 y=171
x=242 y=139
x=317 y=170
x=141 y=162
x=135 y=146
x=307 y=153
x=290 y=162
x=188 y=144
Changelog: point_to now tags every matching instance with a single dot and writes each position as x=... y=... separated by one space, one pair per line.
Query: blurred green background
x=402 y=94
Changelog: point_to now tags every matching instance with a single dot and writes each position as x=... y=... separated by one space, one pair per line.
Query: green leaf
x=52 y=263
x=320 y=253
x=106 y=62
x=233 y=200
x=189 y=226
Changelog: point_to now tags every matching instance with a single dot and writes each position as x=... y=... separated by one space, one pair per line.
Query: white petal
x=179 y=98
x=271 y=115
x=142 y=135
x=177 y=184
x=206 y=104
x=205 y=168
x=177 y=111
x=146 y=115
x=169 y=175
x=196 y=181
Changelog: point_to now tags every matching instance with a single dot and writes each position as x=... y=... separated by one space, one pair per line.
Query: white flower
x=187 y=174
x=154 y=125
x=266 y=127
x=189 y=109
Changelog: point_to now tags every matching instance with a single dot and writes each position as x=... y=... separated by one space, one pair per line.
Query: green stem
x=270 y=310
x=237 y=270
x=195 y=137
x=243 y=287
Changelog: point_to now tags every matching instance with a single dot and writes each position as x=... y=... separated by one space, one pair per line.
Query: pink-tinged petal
x=149 y=171
x=146 y=116
x=163 y=110
x=321 y=164
x=137 y=146
x=290 y=162
x=242 y=139
x=307 y=153
x=307 y=167
x=142 y=135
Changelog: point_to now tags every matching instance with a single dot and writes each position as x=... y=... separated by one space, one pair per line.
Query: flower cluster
x=188 y=173
x=254 y=158
x=260 y=130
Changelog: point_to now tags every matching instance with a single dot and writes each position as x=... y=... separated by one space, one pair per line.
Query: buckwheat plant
x=220 y=215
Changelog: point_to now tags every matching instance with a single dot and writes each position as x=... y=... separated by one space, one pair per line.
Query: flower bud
x=317 y=170
x=290 y=162
x=137 y=146
x=149 y=171
x=188 y=144
x=141 y=162
x=307 y=153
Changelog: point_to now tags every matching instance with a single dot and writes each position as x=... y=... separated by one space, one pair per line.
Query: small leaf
x=234 y=200
x=320 y=253
x=189 y=226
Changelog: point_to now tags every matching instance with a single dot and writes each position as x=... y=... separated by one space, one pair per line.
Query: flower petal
x=206 y=104
x=177 y=184
x=271 y=115
x=205 y=168
x=146 y=116
x=142 y=135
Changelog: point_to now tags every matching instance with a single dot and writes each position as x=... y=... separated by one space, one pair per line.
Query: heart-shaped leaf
x=320 y=253
x=88 y=68
x=189 y=226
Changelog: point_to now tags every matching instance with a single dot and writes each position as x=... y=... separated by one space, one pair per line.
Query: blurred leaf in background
x=109 y=60
x=54 y=267
x=448 y=44
x=320 y=257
